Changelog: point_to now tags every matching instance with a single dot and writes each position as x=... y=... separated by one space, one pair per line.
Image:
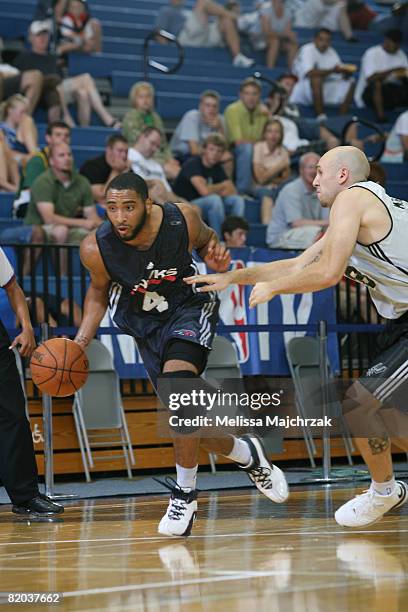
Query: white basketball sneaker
x=369 y=507
x=268 y=478
x=181 y=511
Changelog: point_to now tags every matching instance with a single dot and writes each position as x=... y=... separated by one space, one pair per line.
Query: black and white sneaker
x=181 y=511
x=268 y=478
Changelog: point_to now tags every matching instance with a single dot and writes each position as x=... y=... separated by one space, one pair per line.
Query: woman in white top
x=277 y=32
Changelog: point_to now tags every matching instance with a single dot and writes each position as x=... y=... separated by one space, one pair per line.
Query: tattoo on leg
x=387 y=478
x=378 y=445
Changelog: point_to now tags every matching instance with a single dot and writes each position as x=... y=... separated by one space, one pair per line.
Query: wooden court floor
x=245 y=554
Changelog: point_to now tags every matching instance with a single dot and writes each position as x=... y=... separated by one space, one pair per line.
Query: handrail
x=371 y=125
x=147 y=62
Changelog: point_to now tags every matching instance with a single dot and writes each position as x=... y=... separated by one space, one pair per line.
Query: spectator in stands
x=78 y=30
x=377 y=174
x=322 y=77
x=141 y=115
x=196 y=125
x=203 y=181
x=234 y=232
x=196 y=29
x=330 y=14
x=396 y=148
x=298 y=218
x=45 y=8
x=298 y=131
x=143 y=163
x=61 y=200
x=9 y=174
x=274 y=32
x=60 y=92
x=383 y=79
x=102 y=169
x=56 y=132
x=59 y=314
x=271 y=166
x=245 y=120
x=29 y=83
x=18 y=128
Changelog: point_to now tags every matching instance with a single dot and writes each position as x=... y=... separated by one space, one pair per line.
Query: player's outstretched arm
x=331 y=255
x=249 y=276
x=96 y=300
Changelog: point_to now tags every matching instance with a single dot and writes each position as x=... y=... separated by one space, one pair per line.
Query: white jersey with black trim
x=383 y=266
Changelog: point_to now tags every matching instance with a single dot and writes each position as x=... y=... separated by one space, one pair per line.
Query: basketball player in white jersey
x=367 y=240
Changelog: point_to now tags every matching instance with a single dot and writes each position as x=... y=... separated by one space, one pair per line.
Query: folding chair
x=98 y=408
x=303 y=359
x=222 y=363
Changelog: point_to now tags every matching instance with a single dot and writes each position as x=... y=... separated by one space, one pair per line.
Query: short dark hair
x=395 y=35
x=113 y=139
x=148 y=130
x=131 y=181
x=57 y=124
x=250 y=82
x=232 y=223
x=322 y=30
x=210 y=93
x=217 y=140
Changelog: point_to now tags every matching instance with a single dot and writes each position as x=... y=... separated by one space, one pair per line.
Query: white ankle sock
x=240 y=452
x=384 y=488
x=186 y=477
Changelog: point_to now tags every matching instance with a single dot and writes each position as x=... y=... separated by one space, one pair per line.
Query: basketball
x=59 y=367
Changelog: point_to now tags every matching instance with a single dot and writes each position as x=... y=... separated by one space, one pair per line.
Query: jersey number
x=153 y=300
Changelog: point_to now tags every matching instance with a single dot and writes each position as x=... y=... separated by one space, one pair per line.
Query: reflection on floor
x=245 y=553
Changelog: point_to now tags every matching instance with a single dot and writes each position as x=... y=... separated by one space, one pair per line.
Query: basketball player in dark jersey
x=137 y=261
x=367 y=241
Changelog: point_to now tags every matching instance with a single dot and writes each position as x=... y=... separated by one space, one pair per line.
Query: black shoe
x=41 y=505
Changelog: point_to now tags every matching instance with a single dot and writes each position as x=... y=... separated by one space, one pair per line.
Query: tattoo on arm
x=314 y=260
x=378 y=445
x=83 y=340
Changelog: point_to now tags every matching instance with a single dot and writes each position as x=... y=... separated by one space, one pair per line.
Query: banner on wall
x=259 y=353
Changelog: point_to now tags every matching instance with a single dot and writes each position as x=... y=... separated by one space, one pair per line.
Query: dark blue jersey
x=147 y=285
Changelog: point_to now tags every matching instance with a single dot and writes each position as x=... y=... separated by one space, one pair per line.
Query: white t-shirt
x=309 y=57
x=376 y=59
x=401 y=124
x=291 y=138
x=148 y=169
x=6 y=270
x=393 y=148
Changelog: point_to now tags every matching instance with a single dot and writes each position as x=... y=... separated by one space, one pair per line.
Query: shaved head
x=351 y=158
x=337 y=170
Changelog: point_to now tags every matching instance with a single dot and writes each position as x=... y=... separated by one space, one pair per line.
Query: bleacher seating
x=125 y=26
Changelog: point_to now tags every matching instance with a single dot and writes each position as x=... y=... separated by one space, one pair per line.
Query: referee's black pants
x=18 y=468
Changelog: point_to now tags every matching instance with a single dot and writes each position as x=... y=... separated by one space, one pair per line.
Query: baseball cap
x=36 y=27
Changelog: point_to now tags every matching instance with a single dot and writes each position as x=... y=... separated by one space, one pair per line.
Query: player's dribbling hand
x=261 y=293
x=217 y=258
x=25 y=342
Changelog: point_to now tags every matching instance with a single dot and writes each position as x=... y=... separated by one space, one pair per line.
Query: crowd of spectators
x=256 y=151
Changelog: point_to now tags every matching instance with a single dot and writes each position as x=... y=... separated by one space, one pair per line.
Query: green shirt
x=243 y=124
x=35 y=166
x=68 y=201
x=134 y=123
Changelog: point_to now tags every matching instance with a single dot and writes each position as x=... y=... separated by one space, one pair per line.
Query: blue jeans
x=20 y=234
x=243 y=167
x=213 y=208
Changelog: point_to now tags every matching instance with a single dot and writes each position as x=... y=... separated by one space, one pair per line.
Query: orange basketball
x=59 y=367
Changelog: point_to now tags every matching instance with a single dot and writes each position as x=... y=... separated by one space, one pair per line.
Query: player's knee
x=179 y=392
